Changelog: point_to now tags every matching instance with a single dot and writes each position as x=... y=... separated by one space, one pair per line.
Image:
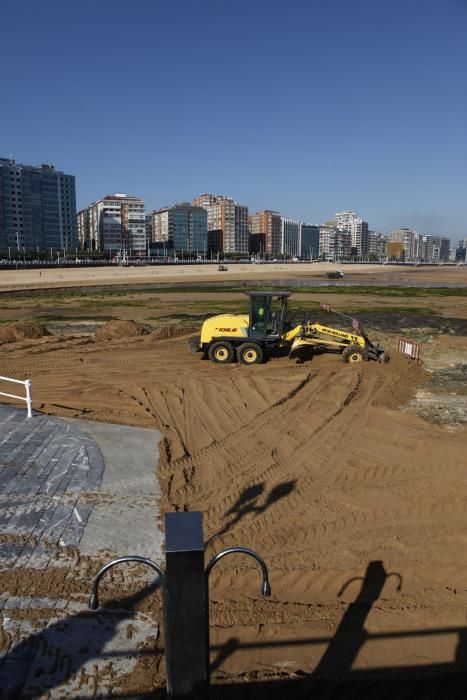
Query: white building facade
x=160 y=226
x=334 y=243
x=357 y=227
x=115 y=223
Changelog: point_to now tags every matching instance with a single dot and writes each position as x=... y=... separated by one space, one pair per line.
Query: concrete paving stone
x=17 y=602
x=49 y=492
x=9 y=551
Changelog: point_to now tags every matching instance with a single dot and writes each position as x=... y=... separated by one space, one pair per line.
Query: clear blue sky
x=304 y=106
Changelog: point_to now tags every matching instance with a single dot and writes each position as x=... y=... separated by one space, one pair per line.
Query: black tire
x=221 y=352
x=250 y=354
x=354 y=353
x=193 y=344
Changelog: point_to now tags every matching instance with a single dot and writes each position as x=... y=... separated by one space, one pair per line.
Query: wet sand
x=163 y=274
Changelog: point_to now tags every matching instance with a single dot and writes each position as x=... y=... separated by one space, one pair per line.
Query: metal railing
x=410 y=348
x=27 y=387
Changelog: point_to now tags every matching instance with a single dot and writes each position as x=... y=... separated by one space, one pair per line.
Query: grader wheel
x=221 y=352
x=354 y=354
x=250 y=354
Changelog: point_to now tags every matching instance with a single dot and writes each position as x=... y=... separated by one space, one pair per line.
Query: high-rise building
x=290 y=239
x=357 y=227
x=395 y=250
x=427 y=248
x=37 y=207
x=188 y=228
x=148 y=224
x=441 y=246
x=160 y=225
x=117 y=222
x=309 y=241
x=461 y=250
x=265 y=232
x=409 y=240
x=343 y=219
x=182 y=227
x=334 y=243
x=377 y=245
x=227 y=223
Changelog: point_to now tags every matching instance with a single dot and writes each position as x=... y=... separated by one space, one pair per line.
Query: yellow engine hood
x=225 y=325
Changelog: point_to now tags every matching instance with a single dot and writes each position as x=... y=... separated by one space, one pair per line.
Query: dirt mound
x=404 y=375
x=173 y=331
x=113 y=330
x=21 y=330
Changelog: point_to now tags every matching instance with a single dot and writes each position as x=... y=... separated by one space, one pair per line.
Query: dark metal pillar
x=185 y=607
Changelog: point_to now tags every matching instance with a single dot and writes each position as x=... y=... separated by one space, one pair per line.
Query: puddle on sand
x=443 y=398
x=78 y=327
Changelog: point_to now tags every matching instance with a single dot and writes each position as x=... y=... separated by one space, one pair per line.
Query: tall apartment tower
x=441 y=246
x=334 y=243
x=37 y=207
x=117 y=222
x=183 y=228
x=265 y=232
x=227 y=223
x=160 y=225
x=410 y=242
x=290 y=239
x=377 y=245
x=309 y=241
x=358 y=229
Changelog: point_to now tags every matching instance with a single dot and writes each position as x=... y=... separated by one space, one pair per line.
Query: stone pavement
x=70 y=489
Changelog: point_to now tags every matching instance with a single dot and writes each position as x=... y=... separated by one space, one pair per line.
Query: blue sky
x=304 y=106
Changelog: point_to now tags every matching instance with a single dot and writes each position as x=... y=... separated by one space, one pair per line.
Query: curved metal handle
x=94 y=599
x=265 y=588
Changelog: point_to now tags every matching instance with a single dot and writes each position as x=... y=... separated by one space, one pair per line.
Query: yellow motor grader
x=265 y=329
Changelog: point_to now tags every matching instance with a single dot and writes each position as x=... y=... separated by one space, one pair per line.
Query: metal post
x=27 y=385
x=185 y=607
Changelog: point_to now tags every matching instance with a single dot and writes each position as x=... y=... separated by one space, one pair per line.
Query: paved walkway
x=70 y=488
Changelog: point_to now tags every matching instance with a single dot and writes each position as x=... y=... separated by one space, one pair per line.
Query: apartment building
x=148 y=225
x=409 y=240
x=377 y=245
x=182 y=227
x=290 y=237
x=227 y=223
x=117 y=222
x=441 y=247
x=334 y=243
x=160 y=225
x=37 y=207
x=309 y=241
x=358 y=228
x=265 y=229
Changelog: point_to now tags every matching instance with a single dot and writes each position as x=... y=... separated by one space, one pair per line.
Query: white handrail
x=27 y=387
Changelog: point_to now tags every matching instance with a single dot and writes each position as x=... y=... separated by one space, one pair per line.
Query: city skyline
x=38 y=210
x=306 y=108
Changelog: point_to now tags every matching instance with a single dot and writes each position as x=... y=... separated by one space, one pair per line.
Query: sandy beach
x=325 y=469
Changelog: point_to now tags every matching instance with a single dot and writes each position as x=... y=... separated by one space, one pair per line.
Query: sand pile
x=113 y=330
x=21 y=330
x=173 y=331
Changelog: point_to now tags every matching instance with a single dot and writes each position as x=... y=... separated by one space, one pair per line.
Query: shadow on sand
x=332 y=679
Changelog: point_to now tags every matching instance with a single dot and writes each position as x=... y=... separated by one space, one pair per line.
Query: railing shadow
x=48 y=658
x=249 y=502
x=332 y=679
